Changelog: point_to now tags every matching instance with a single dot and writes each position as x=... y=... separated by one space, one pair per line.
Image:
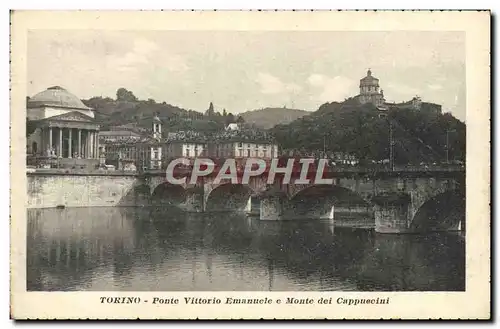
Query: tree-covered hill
x=360 y=130
x=270 y=116
x=127 y=109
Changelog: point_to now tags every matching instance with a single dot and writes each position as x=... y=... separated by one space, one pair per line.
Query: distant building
x=431 y=108
x=61 y=127
x=416 y=104
x=369 y=90
x=233 y=126
x=157 y=134
x=119 y=136
x=184 y=149
x=242 y=148
x=127 y=150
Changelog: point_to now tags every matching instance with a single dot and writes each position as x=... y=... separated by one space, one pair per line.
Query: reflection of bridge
x=401 y=200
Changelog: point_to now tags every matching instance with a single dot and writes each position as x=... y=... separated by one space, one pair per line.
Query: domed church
x=369 y=90
x=61 y=127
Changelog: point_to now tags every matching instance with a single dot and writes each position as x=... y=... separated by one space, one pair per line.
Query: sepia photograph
x=261 y=160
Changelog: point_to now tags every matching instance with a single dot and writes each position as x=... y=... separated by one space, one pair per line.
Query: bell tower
x=156 y=127
x=369 y=90
x=156 y=146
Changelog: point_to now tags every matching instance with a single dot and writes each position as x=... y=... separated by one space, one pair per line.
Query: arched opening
x=326 y=201
x=168 y=195
x=228 y=197
x=138 y=196
x=34 y=148
x=444 y=212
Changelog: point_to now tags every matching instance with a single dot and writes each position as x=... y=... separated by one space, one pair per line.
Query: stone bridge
x=400 y=201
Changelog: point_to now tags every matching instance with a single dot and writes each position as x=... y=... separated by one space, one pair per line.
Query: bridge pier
x=271 y=208
x=253 y=206
x=392 y=213
x=194 y=202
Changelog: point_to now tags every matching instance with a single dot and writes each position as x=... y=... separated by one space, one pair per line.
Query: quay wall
x=84 y=190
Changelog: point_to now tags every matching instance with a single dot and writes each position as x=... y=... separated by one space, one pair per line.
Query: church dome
x=58 y=97
x=369 y=79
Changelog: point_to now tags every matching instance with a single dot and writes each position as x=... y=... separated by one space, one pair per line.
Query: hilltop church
x=370 y=92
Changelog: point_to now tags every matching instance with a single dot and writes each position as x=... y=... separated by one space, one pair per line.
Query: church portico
x=68 y=139
x=66 y=142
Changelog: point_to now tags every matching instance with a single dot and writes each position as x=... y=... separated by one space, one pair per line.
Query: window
x=240 y=144
x=34 y=147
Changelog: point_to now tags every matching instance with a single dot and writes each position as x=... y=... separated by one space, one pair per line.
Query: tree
x=224 y=113
x=240 y=119
x=123 y=94
x=210 y=112
x=229 y=118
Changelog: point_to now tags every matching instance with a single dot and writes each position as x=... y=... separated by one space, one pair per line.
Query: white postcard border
x=474 y=303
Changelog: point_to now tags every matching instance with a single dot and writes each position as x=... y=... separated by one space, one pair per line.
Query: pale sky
x=242 y=71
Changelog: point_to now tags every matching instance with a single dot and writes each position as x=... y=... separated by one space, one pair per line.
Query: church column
x=91 y=144
x=70 y=141
x=79 y=142
x=41 y=147
x=50 y=137
x=60 y=151
x=89 y=155
x=86 y=144
x=96 y=145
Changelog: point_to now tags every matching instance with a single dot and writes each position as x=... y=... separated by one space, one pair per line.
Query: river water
x=141 y=249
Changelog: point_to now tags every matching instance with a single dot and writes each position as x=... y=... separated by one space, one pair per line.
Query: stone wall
x=47 y=191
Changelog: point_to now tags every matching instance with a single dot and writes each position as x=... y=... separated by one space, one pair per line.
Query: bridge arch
x=166 y=194
x=138 y=195
x=228 y=197
x=442 y=212
x=319 y=201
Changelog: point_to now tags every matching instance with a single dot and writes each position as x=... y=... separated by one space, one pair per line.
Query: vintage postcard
x=250 y=165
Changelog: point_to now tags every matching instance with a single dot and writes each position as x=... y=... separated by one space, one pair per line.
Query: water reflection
x=139 y=249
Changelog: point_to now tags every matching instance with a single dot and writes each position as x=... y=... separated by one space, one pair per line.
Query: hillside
x=127 y=109
x=358 y=130
x=268 y=117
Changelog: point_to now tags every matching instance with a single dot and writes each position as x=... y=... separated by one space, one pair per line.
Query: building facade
x=61 y=127
x=242 y=148
x=128 y=150
x=184 y=149
x=369 y=90
x=119 y=136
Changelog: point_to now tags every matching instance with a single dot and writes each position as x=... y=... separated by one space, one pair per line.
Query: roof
x=58 y=97
x=232 y=126
x=369 y=78
x=119 y=133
